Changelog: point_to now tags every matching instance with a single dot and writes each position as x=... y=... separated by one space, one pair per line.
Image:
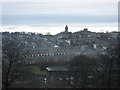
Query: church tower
x=66 y=28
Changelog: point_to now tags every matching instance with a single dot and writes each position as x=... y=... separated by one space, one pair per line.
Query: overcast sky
x=62 y=12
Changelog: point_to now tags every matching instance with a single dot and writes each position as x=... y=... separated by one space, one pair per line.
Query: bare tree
x=12 y=51
x=109 y=68
x=87 y=65
x=114 y=54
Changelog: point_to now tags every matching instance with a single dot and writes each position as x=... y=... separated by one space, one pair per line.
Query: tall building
x=66 y=28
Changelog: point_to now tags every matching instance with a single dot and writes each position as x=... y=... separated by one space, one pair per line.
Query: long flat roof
x=63 y=68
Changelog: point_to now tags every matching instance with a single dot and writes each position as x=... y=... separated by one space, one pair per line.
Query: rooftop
x=63 y=68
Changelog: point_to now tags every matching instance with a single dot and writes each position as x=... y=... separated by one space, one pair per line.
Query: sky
x=52 y=15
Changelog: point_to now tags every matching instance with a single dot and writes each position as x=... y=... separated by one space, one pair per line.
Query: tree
x=12 y=51
x=114 y=60
x=104 y=71
x=87 y=65
x=109 y=74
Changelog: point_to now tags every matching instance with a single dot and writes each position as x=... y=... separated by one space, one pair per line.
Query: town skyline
x=52 y=16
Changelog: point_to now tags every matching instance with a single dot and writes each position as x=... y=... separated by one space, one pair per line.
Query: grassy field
x=34 y=69
x=33 y=77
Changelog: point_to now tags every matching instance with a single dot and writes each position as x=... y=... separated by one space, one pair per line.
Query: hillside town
x=65 y=60
x=84 y=39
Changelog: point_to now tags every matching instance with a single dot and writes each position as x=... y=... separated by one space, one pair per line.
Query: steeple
x=66 y=28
